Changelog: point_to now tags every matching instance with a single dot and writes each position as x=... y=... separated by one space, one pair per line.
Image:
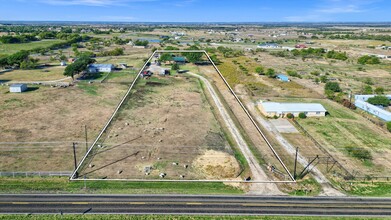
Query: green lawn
x=63 y=185
x=6 y=49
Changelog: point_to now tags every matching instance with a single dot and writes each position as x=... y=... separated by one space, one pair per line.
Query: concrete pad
x=283 y=126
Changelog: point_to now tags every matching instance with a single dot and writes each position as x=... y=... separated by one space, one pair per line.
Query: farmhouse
x=271 y=109
x=18 y=88
x=283 y=78
x=103 y=68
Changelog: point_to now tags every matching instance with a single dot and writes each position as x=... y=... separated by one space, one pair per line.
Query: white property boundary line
x=233 y=93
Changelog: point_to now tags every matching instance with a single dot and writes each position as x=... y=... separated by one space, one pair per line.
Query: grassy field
x=349 y=136
x=6 y=49
x=45 y=74
x=174 y=217
x=63 y=185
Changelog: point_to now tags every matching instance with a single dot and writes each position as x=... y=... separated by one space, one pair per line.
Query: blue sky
x=197 y=10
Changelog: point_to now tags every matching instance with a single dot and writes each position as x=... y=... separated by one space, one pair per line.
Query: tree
x=332 y=86
x=29 y=63
x=290 y=116
x=193 y=57
x=260 y=70
x=175 y=67
x=215 y=60
x=323 y=79
x=18 y=58
x=78 y=66
x=271 y=73
x=379 y=100
x=165 y=57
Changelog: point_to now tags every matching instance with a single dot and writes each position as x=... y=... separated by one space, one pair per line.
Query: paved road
x=180 y=204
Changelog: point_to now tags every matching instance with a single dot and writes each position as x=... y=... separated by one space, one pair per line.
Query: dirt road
x=328 y=190
x=256 y=170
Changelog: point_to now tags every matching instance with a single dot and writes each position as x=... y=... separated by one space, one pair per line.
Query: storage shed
x=271 y=109
x=283 y=78
x=18 y=88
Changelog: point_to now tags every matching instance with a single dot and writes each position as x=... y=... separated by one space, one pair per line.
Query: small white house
x=100 y=68
x=18 y=88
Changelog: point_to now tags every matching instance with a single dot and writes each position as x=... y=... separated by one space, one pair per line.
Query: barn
x=18 y=88
x=271 y=109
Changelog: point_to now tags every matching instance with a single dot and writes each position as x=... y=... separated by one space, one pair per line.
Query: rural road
x=257 y=173
x=328 y=190
x=194 y=204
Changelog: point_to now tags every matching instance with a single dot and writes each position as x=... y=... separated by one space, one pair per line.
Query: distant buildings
x=271 y=109
x=18 y=88
x=301 y=46
x=269 y=46
x=361 y=102
x=103 y=68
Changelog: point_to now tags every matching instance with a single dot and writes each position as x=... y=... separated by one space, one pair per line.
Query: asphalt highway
x=203 y=205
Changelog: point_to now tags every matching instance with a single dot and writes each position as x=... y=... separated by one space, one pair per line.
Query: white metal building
x=18 y=88
x=101 y=68
x=271 y=109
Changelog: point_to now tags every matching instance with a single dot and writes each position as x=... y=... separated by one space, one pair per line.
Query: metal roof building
x=18 y=88
x=282 y=77
x=104 y=68
x=271 y=109
x=361 y=102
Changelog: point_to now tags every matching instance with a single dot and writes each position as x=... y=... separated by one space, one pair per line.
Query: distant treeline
x=361 y=37
x=17 y=58
x=312 y=53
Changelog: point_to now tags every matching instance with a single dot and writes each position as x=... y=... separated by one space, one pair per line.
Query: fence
x=36 y=174
x=329 y=156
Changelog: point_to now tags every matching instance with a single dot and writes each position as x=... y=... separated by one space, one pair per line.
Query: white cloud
x=328 y=8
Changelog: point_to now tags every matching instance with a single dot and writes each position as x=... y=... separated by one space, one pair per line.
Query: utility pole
x=74 y=154
x=85 y=131
x=294 y=169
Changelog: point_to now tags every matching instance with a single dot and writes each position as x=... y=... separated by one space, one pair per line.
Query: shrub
x=379 y=100
x=302 y=115
x=275 y=117
x=368 y=60
x=175 y=66
x=359 y=153
x=332 y=86
x=389 y=126
x=290 y=116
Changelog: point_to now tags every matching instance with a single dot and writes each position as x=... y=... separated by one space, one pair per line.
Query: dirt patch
x=217 y=164
x=165 y=124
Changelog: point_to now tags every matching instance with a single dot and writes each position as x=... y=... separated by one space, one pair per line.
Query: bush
x=175 y=67
x=290 y=116
x=275 y=117
x=368 y=60
x=302 y=115
x=379 y=100
x=332 y=86
x=389 y=126
x=359 y=153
